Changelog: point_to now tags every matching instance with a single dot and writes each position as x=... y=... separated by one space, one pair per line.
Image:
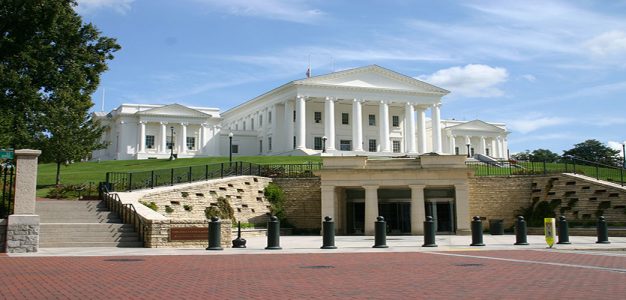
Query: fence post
x=206 y=172
x=130 y=182
x=574 y=165
x=172 y=176
x=250 y=168
x=222 y=170
x=152 y=179
x=107 y=179
x=597 y=174
x=621 y=175
x=189 y=175
x=545 y=170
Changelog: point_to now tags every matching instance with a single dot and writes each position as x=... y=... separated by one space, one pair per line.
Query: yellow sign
x=550 y=230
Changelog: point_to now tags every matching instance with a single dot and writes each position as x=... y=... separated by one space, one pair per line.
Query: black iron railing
x=129 y=181
x=7 y=198
x=570 y=164
x=127 y=213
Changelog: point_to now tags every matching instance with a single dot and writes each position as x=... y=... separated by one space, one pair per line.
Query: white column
x=300 y=123
x=142 y=137
x=371 y=208
x=483 y=146
x=421 y=126
x=436 y=127
x=183 y=137
x=418 y=213
x=505 y=147
x=453 y=144
x=274 y=129
x=328 y=202
x=357 y=126
x=329 y=123
x=384 y=127
x=163 y=137
x=468 y=141
x=409 y=120
x=498 y=153
x=288 y=126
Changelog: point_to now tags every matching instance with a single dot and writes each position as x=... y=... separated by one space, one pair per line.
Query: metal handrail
x=127 y=212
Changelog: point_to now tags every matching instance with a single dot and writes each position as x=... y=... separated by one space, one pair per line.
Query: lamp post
x=468 y=150
x=230 y=147
x=624 y=155
x=324 y=138
x=172 y=143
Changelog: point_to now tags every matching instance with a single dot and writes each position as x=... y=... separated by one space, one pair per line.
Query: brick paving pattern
x=298 y=276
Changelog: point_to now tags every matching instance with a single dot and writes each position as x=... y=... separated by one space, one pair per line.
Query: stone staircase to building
x=82 y=224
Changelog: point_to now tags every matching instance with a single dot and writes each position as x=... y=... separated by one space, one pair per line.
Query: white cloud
x=609 y=45
x=89 y=6
x=616 y=146
x=293 y=11
x=470 y=80
x=529 y=77
x=534 y=122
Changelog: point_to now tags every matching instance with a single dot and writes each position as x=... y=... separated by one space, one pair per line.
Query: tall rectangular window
x=191 y=143
x=318 y=117
x=260 y=120
x=395 y=121
x=169 y=143
x=487 y=151
x=251 y=124
x=345 y=145
x=149 y=141
x=372 y=145
x=372 y=120
x=345 y=118
x=269 y=117
x=317 y=143
x=456 y=150
x=294 y=142
x=396 y=146
x=235 y=149
x=244 y=125
x=294 y=115
x=260 y=146
x=269 y=144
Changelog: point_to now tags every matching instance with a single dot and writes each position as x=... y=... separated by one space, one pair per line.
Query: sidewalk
x=345 y=244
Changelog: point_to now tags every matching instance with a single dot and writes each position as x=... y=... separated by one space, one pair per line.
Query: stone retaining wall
x=499 y=197
x=158 y=235
x=303 y=206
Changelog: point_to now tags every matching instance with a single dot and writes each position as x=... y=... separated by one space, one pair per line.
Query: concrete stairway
x=82 y=224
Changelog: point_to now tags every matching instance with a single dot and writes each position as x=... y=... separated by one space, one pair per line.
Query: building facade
x=369 y=111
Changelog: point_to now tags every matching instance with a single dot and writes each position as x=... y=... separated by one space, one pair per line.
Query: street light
x=230 y=147
x=324 y=138
x=172 y=144
x=468 y=150
x=624 y=155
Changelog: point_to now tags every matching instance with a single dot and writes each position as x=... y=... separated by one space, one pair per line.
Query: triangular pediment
x=477 y=125
x=176 y=110
x=375 y=77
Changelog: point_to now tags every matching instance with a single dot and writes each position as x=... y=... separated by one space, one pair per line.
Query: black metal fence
x=7 y=198
x=129 y=181
x=574 y=165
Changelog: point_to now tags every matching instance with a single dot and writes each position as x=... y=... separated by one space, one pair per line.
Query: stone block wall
x=303 y=205
x=3 y=234
x=158 y=235
x=22 y=233
x=245 y=194
x=499 y=197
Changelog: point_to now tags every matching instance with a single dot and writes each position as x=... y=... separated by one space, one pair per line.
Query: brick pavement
x=297 y=276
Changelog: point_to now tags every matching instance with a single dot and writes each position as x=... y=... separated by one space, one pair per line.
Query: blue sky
x=553 y=71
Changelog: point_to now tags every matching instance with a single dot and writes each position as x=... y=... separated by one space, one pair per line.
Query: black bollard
x=520 y=231
x=239 y=242
x=328 y=227
x=477 y=232
x=273 y=234
x=429 y=232
x=563 y=231
x=603 y=231
x=380 y=233
x=215 y=234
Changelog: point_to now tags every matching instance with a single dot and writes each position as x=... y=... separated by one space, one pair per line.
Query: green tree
x=593 y=150
x=544 y=155
x=50 y=65
x=525 y=155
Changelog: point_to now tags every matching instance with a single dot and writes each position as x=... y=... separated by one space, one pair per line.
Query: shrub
x=537 y=211
x=169 y=209
x=150 y=205
x=276 y=196
x=188 y=207
x=223 y=210
x=72 y=191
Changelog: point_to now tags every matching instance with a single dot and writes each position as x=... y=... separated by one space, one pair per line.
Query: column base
x=22 y=234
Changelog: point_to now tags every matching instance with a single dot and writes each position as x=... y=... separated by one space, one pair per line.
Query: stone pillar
x=453 y=144
x=288 y=126
x=300 y=123
x=409 y=120
x=329 y=123
x=421 y=126
x=371 y=208
x=23 y=225
x=418 y=213
x=468 y=141
x=436 y=127
x=483 y=146
x=183 y=138
x=384 y=127
x=462 y=209
x=142 y=137
x=357 y=126
x=497 y=152
x=274 y=130
x=328 y=202
x=163 y=138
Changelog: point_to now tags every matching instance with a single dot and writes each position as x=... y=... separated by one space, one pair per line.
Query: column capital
x=302 y=97
x=184 y=123
x=371 y=187
x=142 y=122
x=163 y=123
x=417 y=186
x=356 y=100
x=420 y=108
x=330 y=99
x=437 y=105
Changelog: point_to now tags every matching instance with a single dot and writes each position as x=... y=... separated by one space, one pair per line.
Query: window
x=244 y=125
x=472 y=152
x=294 y=115
x=235 y=149
x=345 y=145
x=260 y=146
x=317 y=143
x=456 y=150
x=395 y=121
x=396 y=146
x=269 y=144
x=150 y=141
x=294 y=142
x=487 y=151
x=260 y=120
x=236 y=126
x=345 y=117
x=372 y=145
x=191 y=143
x=318 y=116
x=170 y=143
x=251 y=124
x=269 y=117
x=372 y=120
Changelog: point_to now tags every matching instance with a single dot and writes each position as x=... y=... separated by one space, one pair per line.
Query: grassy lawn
x=85 y=172
x=608 y=174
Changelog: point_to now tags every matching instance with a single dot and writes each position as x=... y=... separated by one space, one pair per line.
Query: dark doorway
x=355 y=213
x=443 y=216
x=397 y=215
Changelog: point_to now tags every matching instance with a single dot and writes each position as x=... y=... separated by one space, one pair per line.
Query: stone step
x=87 y=227
x=90 y=244
x=79 y=220
x=88 y=239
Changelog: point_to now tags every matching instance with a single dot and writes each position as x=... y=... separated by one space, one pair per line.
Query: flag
x=308 y=72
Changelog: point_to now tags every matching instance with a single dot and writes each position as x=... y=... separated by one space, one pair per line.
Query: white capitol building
x=364 y=111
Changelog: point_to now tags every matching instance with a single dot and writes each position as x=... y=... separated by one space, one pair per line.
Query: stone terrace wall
x=499 y=197
x=159 y=234
x=3 y=234
x=303 y=206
